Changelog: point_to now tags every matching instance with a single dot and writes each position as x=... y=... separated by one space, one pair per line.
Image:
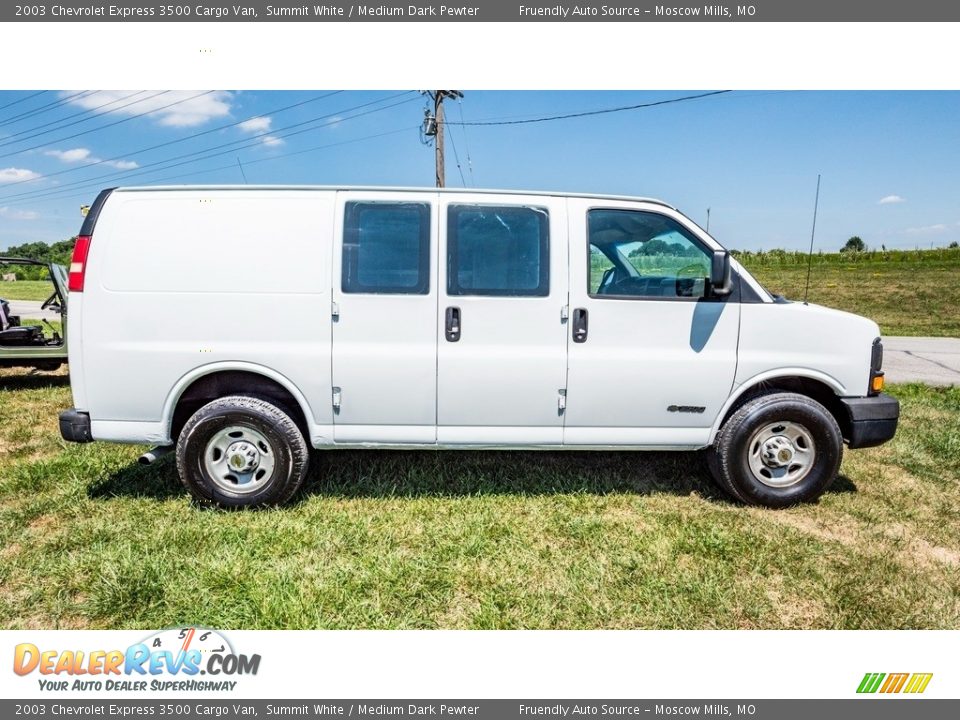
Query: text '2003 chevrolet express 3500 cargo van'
x=244 y=325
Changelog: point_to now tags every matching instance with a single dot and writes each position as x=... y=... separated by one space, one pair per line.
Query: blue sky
x=890 y=161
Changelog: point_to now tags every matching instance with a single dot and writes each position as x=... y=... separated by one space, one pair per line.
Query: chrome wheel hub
x=239 y=459
x=242 y=457
x=781 y=454
x=777 y=452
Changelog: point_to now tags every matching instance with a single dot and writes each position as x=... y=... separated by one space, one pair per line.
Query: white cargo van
x=245 y=325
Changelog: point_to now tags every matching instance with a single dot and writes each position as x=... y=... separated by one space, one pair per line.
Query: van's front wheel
x=777 y=450
x=241 y=452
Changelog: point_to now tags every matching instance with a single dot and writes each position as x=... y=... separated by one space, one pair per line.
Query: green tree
x=854 y=244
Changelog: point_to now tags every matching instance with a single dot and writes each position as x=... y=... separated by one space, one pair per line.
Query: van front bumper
x=75 y=426
x=873 y=420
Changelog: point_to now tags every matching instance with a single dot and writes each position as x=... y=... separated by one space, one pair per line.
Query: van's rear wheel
x=240 y=452
x=777 y=450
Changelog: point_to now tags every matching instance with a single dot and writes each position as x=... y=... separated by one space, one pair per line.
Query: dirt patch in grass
x=908 y=549
x=919 y=549
x=842 y=534
x=795 y=610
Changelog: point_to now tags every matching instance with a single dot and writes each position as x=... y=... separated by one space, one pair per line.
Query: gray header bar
x=228 y=708
x=480 y=11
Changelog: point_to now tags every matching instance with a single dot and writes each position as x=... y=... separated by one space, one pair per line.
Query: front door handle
x=580 y=325
x=453 y=324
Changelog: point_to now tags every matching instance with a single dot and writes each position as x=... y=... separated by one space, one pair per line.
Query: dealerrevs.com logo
x=179 y=659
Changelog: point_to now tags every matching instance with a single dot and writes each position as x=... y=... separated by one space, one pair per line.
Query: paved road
x=935 y=361
x=31 y=309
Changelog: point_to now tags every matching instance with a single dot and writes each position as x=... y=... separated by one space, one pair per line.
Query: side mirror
x=720 y=281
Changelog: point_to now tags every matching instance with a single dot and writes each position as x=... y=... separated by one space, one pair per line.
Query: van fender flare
x=767 y=376
x=173 y=397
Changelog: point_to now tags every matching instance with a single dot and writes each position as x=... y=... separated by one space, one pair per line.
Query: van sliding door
x=502 y=355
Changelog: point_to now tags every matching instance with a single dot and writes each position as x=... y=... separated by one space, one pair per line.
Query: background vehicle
x=247 y=324
x=26 y=344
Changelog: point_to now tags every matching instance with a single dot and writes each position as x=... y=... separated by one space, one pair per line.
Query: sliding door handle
x=580 y=323
x=453 y=324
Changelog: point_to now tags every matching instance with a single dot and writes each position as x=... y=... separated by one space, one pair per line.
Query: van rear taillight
x=78 y=264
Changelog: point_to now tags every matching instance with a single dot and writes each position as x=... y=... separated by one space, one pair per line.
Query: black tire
x=729 y=458
x=255 y=421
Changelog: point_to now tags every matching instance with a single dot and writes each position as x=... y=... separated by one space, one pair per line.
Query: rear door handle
x=580 y=323
x=453 y=324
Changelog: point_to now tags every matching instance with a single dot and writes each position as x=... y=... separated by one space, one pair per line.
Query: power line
x=23 y=99
x=185 y=158
x=242 y=173
x=466 y=142
x=9 y=141
x=109 y=125
x=177 y=140
x=82 y=112
x=48 y=107
x=592 y=112
x=283 y=156
x=456 y=157
x=258 y=160
x=244 y=142
x=63 y=119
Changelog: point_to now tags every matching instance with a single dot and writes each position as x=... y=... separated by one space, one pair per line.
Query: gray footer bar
x=874 y=707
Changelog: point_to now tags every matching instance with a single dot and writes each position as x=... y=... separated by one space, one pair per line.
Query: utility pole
x=708 y=219
x=434 y=126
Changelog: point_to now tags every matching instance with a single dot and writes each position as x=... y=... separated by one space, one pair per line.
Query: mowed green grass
x=26 y=290
x=381 y=539
x=906 y=293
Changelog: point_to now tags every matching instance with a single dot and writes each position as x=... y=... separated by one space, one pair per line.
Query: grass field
x=89 y=539
x=26 y=290
x=905 y=292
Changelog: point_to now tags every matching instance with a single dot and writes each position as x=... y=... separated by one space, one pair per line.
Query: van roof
x=538 y=193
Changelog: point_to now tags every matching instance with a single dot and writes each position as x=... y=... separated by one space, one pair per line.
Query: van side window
x=498 y=250
x=386 y=248
x=637 y=254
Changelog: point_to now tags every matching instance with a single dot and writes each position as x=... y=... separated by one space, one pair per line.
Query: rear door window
x=386 y=248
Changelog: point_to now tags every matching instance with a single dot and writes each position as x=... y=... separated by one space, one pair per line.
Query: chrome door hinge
x=334 y=311
x=336 y=400
x=561 y=401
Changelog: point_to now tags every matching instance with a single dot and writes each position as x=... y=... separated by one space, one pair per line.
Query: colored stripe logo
x=913 y=683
